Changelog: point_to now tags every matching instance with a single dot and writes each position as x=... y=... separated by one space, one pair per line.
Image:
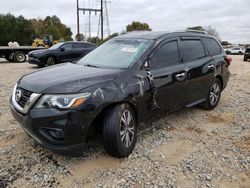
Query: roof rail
x=196 y=31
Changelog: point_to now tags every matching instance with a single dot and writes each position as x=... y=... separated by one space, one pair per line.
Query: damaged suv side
x=127 y=80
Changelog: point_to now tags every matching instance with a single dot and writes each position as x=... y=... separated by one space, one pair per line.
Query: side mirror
x=62 y=49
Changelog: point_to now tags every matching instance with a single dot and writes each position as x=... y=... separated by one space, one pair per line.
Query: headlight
x=62 y=101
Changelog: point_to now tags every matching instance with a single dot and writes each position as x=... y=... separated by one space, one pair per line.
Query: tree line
x=24 y=30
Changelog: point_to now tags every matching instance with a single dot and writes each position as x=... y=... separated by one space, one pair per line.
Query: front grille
x=25 y=95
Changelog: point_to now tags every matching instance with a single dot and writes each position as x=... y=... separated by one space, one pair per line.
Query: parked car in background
x=226 y=50
x=60 y=53
x=236 y=50
x=247 y=54
x=129 y=79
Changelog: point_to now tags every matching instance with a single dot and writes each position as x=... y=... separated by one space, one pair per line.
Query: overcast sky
x=231 y=18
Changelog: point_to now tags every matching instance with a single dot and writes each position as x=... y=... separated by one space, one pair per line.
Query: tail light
x=228 y=60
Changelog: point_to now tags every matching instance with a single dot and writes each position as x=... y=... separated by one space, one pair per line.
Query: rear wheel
x=20 y=57
x=9 y=57
x=119 y=130
x=50 y=61
x=213 y=96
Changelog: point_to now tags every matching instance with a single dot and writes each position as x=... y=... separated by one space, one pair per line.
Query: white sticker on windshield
x=130 y=50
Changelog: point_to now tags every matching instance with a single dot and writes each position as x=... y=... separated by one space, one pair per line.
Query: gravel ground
x=191 y=148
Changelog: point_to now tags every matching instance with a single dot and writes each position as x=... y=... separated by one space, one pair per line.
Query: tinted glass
x=192 y=50
x=56 y=46
x=117 y=53
x=81 y=45
x=212 y=46
x=167 y=55
x=248 y=50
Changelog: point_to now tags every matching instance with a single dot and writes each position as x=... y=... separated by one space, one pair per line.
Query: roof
x=153 y=35
x=144 y=34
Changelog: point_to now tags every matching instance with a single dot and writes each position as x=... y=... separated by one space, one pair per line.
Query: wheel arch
x=221 y=80
x=96 y=125
x=51 y=55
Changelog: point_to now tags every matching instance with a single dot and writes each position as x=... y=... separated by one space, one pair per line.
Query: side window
x=192 y=50
x=80 y=45
x=67 y=46
x=212 y=46
x=167 y=55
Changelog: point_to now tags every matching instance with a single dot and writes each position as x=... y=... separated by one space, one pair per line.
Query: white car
x=236 y=50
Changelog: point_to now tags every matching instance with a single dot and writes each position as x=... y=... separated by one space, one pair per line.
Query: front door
x=167 y=78
x=65 y=53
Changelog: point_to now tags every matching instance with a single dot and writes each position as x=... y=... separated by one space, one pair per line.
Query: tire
x=9 y=57
x=50 y=61
x=20 y=57
x=213 y=95
x=119 y=131
x=245 y=59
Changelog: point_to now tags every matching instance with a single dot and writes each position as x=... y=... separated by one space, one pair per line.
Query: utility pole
x=90 y=10
x=78 y=21
x=102 y=19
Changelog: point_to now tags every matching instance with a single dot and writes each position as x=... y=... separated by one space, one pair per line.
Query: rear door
x=199 y=67
x=215 y=50
x=80 y=49
x=167 y=77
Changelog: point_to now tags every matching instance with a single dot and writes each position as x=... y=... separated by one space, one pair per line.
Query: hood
x=66 y=78
x=37 y=52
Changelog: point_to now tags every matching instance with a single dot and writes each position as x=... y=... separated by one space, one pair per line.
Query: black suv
x=247 y=54
x=60 y=53
x=129 y=79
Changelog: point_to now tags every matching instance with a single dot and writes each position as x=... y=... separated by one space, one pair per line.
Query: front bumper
x=35 y=60
x=60 y=131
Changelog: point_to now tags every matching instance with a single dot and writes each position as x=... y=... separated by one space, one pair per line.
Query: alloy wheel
x=127 y=128
x=214 y=94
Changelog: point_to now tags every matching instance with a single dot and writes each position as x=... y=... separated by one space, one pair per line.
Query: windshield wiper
x=90 y=65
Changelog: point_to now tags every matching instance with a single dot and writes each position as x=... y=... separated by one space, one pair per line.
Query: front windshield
x=116 y=53
x=56 y=46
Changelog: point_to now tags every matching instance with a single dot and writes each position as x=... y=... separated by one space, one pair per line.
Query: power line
x=91 y=8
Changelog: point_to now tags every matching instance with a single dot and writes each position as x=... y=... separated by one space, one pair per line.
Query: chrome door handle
x=211 y=66
x=181 y=75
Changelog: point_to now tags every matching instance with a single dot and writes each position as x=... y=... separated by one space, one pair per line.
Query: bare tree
x=212 y=31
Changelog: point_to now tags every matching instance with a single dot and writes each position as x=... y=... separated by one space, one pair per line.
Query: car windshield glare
x=116 y=53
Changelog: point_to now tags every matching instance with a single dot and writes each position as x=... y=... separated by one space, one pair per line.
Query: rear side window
x=81 y=45
x=212 y=46
x=167 y=55
x=192 y=50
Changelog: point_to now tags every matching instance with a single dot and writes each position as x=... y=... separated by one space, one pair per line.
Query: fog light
x=59 y=134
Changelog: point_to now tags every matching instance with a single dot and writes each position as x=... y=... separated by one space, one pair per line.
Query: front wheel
x=213 y=96
x=50 y=61
x=119 y=130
